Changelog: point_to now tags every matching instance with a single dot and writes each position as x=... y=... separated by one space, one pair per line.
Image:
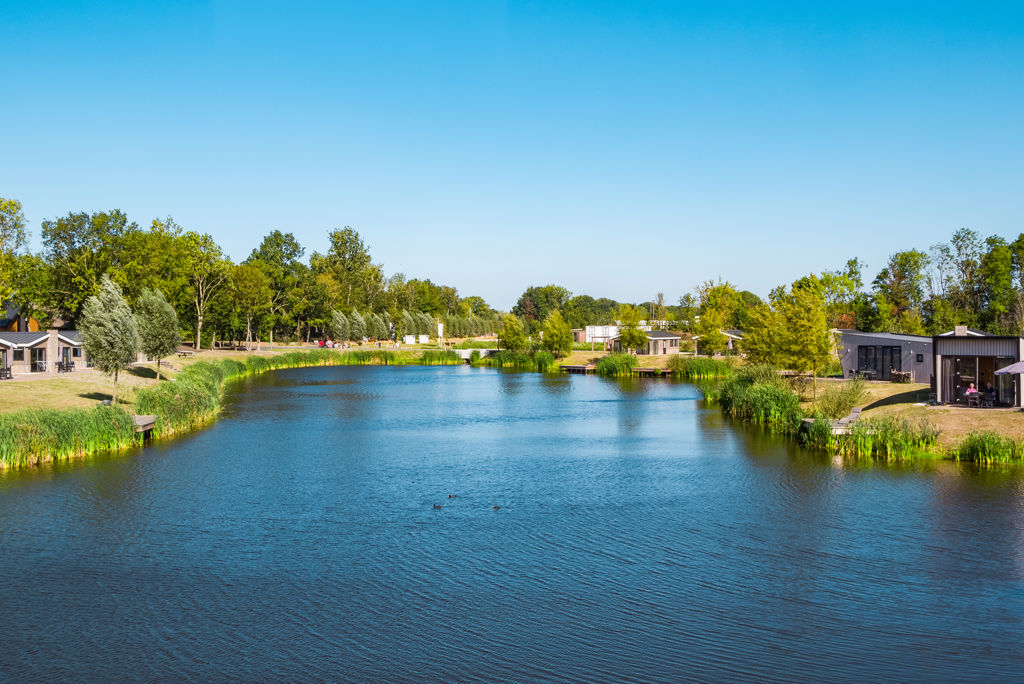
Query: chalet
x=39 y=352
x=962 y=358
x=879 y=354
x=658 y=342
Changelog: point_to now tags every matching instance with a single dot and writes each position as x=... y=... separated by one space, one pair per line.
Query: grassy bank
x=190 y=400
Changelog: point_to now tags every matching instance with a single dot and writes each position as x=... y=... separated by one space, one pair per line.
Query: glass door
x=1005 y=385
x=37 y=357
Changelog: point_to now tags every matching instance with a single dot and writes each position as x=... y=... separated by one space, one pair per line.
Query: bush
x=616 y=365
x=544 y=361
x=474 y=356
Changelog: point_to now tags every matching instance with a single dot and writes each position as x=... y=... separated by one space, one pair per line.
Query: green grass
x=440 y=358
x=477 y=344
x=616 y=365
x=756 y=394
x=542 y=361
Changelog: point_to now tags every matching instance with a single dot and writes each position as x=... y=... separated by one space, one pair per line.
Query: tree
x=630 y=334
x=157 y=324
x=12 y=239
x=278 y=256
x=207 y=270
x=557 y=335
x=250 y=295
x=109 y=332
x=536 y=303
x=356 y=327
x=902 y=282
x=806 y=343
x=81 y=248
x=761 y=343
x=339 y=326
x=718 y=302
x=511 y=336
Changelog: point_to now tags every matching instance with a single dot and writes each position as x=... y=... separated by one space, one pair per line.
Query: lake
x=639 y=536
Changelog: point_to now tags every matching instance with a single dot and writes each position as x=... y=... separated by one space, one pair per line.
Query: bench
x=184 y=354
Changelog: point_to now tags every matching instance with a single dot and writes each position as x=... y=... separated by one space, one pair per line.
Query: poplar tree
x=339 y=325
x=109 y=332
x=356 y=327
x=511 y=336
x=157 y=323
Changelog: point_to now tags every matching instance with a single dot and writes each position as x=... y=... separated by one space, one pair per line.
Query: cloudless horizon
x=617 y=149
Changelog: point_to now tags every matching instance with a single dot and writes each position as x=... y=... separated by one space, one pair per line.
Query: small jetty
x=839 y=427
x=589 y=368
x=144 y=424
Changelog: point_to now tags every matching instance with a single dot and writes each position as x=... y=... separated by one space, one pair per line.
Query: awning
x=1012 y=369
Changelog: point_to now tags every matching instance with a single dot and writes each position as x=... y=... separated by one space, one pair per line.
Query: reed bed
x=616 y=365
x=440 y=358
x=690 y=368
x=539 y=361
x=890 y=438
x=35 y=436
x=989 y=448
x=841 y=398
x=756 y=394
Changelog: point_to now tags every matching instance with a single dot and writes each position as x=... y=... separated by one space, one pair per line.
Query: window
x=920 y=358
x=77 y=352
x=19 y=354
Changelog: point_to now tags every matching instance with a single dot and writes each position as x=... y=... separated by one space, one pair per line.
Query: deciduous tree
x=110 y=334
x=157 y=323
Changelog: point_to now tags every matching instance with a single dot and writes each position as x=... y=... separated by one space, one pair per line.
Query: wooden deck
x=638 y=370
x=589 y=368
x=144 y=423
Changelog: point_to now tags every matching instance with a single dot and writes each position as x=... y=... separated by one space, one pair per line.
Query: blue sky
x=618 y=149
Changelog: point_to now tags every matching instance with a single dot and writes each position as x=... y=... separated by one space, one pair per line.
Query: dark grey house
x=964 y=358
x=883 y=353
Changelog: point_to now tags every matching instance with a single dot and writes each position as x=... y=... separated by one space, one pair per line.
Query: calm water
x=639 y=537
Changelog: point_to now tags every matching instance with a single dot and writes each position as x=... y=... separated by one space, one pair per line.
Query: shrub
x=440 y=358
x=474 y=356
x=544 y=361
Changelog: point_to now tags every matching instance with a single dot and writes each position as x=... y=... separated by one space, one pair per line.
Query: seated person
x=971 y=389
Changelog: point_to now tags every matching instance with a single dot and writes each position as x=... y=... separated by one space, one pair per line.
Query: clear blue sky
x=616 y=148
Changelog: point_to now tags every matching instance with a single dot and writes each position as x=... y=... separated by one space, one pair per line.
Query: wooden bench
x=185 y=353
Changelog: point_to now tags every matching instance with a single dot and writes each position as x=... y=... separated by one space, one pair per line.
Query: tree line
x=275 y=293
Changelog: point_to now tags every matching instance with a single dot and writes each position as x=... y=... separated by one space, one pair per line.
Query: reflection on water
x=639 y=536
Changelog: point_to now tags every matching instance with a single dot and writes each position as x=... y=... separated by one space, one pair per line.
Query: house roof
x=737 y=334
x=22 y=339
x=653 y=335
x=971 y=332
x=886 y=336
x=72 y=337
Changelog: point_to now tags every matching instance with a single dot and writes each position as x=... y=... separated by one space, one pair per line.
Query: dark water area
x=639 y=537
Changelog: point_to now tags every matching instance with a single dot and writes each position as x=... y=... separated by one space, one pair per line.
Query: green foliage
x=544 y=361
x=109 y=332
x=537 y=303
x=474 y=356
x=631 y=337
x=758 y=395
x=616 y=365
x=157 y=324
x=989 y=448
x=36 y=436
x=339 y=326
x=841 y=398
x=890 y=438
x=691 y=368
x=511 y=336
x=440 y=358
x=12 y=239
x=557 y=335
x=718 y=304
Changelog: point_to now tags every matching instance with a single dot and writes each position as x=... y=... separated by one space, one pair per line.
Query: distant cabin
x=658 y=342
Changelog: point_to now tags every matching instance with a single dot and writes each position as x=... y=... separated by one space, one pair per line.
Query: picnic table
x=185 y=353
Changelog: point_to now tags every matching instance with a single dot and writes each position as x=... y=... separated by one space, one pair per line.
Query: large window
x=882 y=360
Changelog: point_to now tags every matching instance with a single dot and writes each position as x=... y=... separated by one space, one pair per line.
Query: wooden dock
x=589 y=368
x=144 y=423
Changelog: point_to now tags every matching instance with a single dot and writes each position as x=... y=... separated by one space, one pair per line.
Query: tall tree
x=250 y=294
x=631 y=337
x=339 y=326
x=557 y=335
x=157 y=324
x=207 y=270
x=81 y=248
x=12 y=239
x=537 y=302
x=109 y=332
x=718 y=302
x=807 y=344
x=511 y=336
x=279 y=258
